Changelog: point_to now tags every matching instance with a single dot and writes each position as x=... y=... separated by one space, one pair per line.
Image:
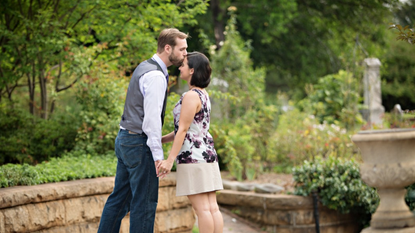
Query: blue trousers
x=135 y=189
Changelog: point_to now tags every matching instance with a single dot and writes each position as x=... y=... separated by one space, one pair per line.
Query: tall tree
x=300 y=41
x=398 y=79
x=50 y=44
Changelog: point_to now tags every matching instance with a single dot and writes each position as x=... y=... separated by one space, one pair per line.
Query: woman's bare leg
x=216 y=214
x=201 y=205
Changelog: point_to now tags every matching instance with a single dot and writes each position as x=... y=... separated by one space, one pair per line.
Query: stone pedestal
x=389 y=165
x=372 y=92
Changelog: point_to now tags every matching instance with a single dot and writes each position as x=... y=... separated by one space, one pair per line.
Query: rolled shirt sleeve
x=153 y=86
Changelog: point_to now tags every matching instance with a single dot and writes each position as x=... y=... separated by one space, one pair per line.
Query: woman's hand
x=164 y=168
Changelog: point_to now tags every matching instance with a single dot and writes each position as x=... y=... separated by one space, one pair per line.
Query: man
x=138 y=144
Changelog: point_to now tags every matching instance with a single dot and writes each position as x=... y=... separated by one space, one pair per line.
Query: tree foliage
x=317 y=37
x=398 y=80
x=404 y=33
x=246 y=123
x=47 y=46
x=398 y=77
x=300 y=41
x=233 y=65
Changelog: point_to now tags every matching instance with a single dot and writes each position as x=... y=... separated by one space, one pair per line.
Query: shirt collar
x=161 y=63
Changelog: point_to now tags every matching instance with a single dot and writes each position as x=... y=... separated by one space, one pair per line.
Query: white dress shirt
x=153 y=87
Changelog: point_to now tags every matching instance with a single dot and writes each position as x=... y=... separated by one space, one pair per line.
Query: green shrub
x=29 y=139
x=101 y=97
x=339 y=187
x=242 y=144
x=232 y=143
x=246 y=122
x=393 y=120
x=410 y=197
x=72 y=166
x=52 y=138
x=334 y=99
x=14 y=138
x=300 y=136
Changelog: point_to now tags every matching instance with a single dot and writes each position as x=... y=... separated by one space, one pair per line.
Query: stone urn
x=389 y=166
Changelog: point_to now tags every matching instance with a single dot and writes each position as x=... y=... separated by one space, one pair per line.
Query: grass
x=195 y=229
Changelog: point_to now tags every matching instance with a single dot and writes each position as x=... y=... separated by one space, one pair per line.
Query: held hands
x=163 y=168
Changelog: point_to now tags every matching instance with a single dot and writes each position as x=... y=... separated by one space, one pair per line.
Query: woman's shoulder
x=191 y=95
x=200 y=92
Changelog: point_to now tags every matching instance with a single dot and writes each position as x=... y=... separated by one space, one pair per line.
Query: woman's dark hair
x=201 y=65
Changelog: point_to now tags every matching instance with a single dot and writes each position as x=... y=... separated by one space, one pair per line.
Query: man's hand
x=164 y=168
x=157 y=164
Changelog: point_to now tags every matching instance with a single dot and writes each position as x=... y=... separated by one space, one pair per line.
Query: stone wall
x=76 y=206
x=285 y=213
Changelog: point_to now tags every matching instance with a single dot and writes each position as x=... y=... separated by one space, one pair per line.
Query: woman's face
x=185 y=71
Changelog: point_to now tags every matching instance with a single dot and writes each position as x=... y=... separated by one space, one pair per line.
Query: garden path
x=235 y=224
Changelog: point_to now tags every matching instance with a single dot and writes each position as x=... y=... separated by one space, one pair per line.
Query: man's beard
x=175 y=60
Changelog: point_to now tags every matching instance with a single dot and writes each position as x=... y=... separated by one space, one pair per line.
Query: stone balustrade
x=76 y=206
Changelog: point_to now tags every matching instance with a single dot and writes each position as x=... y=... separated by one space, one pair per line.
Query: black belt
x=131 y=132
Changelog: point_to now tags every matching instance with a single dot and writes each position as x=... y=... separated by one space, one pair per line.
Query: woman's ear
x=192 y=70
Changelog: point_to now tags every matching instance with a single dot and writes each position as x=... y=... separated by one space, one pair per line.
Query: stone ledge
x=266 y=201
x=20 y=195
x=285 y=213
x=76 y=206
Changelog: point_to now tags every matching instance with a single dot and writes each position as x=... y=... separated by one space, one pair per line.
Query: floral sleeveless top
x=198 y=143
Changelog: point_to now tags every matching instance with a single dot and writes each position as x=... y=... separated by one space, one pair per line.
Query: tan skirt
x=194 y=178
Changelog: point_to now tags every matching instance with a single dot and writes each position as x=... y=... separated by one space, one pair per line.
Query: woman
x=198 y=174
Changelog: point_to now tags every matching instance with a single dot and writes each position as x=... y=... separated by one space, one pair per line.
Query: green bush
x=246 y=122
x=232 y=64
x=242 y=144
x=101 y=97
x=339 y=187
x=72 y=166
x=52 y=138
x=410 y=197
x=394 y=120
x=300 y=136
x=334 y=99
x=14 y=126
x=29 y=139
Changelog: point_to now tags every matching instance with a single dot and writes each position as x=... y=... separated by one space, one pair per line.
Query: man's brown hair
x=168 y=36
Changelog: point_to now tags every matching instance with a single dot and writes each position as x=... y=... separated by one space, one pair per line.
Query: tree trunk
x=43 y=92
x=52 y=108
x=218 y=16
x=31 y=83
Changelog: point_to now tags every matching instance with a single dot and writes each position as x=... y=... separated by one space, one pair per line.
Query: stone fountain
x=389 y=166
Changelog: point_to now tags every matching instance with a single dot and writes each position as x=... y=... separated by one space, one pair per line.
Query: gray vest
x=133 y=115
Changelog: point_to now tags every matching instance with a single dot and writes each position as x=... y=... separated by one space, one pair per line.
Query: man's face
x=179 y=52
